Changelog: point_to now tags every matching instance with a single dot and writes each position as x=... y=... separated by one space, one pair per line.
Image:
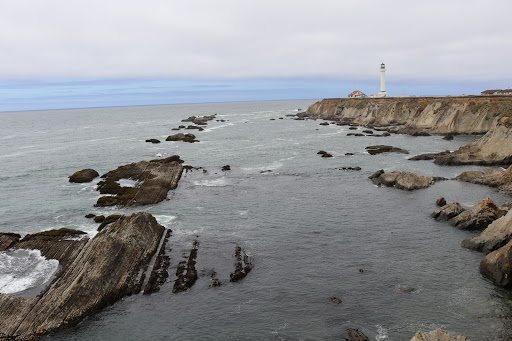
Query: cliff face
x=461 y=115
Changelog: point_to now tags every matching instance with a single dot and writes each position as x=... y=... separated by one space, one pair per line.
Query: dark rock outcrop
x=153 y=140
x=374 y=150
x=441 y=202
x=502 y=180
x=428 y=156
x=109 y=220
x=85 y=175
x=93 y=274
x=324 y=153
x=243 y=265
x=191 y=138
x=155 y=178
x=90 y=215
x=402 y=180
x=159 y=274
x=448 y=137
x=497 y=266
x=447 y=212
x=226 y=168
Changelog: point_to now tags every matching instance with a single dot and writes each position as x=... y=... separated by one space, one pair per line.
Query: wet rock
x=478 y=217
x=376 y=174
x=90 y=215
x=191 y=138
x=159 y=274
x=226 y=168
x=153 y=141
x=109 y=220
x=99 y=219
x=85 y=175
x=497 y=266
x=195 y=127
x=403 y=180
x=181 y=127
x=356 y=335
x=104 y=270
x=174 y=129
x=428 y=156
x=243 y=265
x=324 y=123
x=367 y=131
x=437 y=335
x=355 y=134
x=352 y=128
x=374 y=150
x=155 y=178
x=447 y=212
x=186 y=272
x=336 y=300
x=496 y=235
x=448 y=137
x=349 y=154
x=357 y=168
x=7 y=239
x=215 y=281
x=441 y=202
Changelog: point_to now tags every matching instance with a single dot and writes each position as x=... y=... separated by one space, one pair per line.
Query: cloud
x=226 y=39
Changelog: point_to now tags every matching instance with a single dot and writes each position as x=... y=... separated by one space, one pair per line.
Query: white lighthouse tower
x=383 y=92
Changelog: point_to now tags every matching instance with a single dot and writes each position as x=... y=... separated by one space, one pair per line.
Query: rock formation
x=182 y=137
x=85 y=175
x=502 y=180
x=497 y=266
x=437 y=335
x=356 y=335
x=155 y=178
x=447 y=212
x=478 y=217
x=153 y=140
x=374 y=150
x=186 y=272
x=496 y=235
x=93 y=274
x=402 y=180
x=8 y=239
x=243 y=265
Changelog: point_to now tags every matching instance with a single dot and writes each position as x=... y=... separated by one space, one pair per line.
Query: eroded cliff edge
x=489 y=115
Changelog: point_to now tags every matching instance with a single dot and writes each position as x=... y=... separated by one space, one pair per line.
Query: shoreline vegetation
x=130 y=255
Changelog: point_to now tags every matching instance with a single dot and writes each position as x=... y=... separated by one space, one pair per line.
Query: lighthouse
x=383 y=92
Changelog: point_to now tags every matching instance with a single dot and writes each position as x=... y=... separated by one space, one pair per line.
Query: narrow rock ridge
x=186 y=271
x=94 y=274
x=159 y=274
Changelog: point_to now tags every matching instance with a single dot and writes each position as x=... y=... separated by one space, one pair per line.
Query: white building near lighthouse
x=382 y=92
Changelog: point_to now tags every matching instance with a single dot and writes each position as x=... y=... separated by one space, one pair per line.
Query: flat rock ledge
x=379 y=149
x=153 y=180
x=94 y=273
x=437 y=335
x=402 y=180
x=502 y=180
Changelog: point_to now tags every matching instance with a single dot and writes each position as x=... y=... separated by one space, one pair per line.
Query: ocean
x=308 y=226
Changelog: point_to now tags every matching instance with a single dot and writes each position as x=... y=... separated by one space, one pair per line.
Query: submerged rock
x=336 y=300
x=155 y=178
x=103 y=270
x=243 y=265
x=437 y=335
x=153 y=141
x=85 y=175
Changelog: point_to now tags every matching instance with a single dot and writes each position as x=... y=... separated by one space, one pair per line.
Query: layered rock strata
x=243 y=265
x=154 y=179
x=496 y=235
x=93 y=274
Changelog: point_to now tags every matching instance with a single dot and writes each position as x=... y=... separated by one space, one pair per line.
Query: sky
x=75 y=53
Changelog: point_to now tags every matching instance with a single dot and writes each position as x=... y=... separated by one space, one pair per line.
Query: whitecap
x=127 y=183
x=165 y=219
x=220 y=182
x=382 y=333
x=24 y=269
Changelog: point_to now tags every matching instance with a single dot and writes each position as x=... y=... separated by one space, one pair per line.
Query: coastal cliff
x=438 y=115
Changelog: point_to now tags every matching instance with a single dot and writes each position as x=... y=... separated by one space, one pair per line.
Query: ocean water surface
x=308 y=226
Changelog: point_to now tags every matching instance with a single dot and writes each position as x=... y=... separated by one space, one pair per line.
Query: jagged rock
x=356 y=335
x=374 y=150
x=186 y=272
x=478 y=217
x=93 y=274
x=497 y=266
x=437 y=335
x=403 y=180
x=153 y=140
x=155 y=179
x=159 y=274
x=7 y=239
x=497 y=234
x=85 y=175
x=441 y=202
x=182 y=137
x=447 y=211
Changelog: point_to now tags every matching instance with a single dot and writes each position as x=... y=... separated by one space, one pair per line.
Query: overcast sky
x=446 y=42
